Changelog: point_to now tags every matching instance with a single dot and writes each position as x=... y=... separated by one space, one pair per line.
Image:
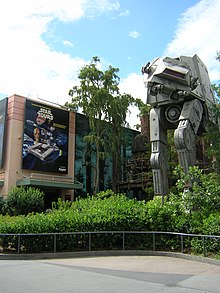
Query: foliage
x=217 y=87
x=99 y=99
x=167 y=216
x=2 y=206
x=105 y=194
x=23 y=201
x=200 y=192
x=212 y=137
x=194 y=209
x=91 y=214
x=211 y=226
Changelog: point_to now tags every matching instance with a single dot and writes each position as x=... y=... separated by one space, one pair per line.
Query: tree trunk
x=97 y=172
x=115 y=168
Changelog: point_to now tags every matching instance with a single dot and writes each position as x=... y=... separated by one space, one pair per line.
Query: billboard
x=3 y=116
x=45 y=141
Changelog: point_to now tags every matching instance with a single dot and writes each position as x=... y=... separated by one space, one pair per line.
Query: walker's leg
x=184 y=135
x=184 y=139
x=158 y=138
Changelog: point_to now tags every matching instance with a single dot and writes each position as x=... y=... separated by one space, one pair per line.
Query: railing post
x=123 y=240
x=19 y=243
x=154 y=242
x=203 y=242
x=55 y=243
x=181 y=236
x=90 y=240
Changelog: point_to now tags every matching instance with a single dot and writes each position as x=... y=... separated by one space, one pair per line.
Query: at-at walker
x=181 y=96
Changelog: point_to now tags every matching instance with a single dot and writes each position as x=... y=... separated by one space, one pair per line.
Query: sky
x=44 y=43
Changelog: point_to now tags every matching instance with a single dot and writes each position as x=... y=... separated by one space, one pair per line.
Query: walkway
x=115 y=274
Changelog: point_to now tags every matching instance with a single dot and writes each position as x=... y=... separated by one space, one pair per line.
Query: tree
x=216 y=87
x=212 y=135
x=99 y=99
x=117 y=110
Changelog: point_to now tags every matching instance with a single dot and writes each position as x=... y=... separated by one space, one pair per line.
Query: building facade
x=37 y=147
x=85 y=158
x=42 y=145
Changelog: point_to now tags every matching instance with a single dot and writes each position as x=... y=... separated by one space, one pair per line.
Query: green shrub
x=194 y=211
x=203 y=193
x=116 y=213
x=167 y=216
x=23 y=201
x=211 y=225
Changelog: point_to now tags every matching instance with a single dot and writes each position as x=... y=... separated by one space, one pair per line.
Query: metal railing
x=181 y=240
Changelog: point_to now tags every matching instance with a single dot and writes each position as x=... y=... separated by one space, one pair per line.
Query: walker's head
x=172 y=81
x=167 y=79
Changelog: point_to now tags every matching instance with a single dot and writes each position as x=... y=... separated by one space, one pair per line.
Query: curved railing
x=102 y=240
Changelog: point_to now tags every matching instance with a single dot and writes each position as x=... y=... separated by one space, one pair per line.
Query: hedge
x=109 y=212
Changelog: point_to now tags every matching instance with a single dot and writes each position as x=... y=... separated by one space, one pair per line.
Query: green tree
x=215 y=86
x=117 y=109
x=212 y=135
x=99 y=99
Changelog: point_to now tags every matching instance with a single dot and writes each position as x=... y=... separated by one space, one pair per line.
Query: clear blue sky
x=109 y=35
x=44 y=43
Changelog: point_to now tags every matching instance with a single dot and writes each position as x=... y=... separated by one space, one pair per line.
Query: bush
x=91 y=214
x=23 y=201
x=194 y=211
x=210 y=226
x=202 y=195
x=168 y=216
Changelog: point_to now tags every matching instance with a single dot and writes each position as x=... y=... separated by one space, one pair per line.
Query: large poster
x=3 y=115
x=45 y=142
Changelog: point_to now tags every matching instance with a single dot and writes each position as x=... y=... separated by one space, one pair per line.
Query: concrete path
x=115 y=274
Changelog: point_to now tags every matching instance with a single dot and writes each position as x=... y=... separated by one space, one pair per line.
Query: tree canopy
x=99 y=98
x=212 y=136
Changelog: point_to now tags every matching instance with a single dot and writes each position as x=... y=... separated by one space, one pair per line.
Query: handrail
x=111 y=232
x=20 y=236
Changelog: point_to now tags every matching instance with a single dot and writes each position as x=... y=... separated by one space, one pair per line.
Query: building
x=37 y=147
x=42 y=145
x=85 y=158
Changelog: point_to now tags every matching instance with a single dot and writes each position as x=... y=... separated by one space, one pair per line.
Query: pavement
x=118 y=274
